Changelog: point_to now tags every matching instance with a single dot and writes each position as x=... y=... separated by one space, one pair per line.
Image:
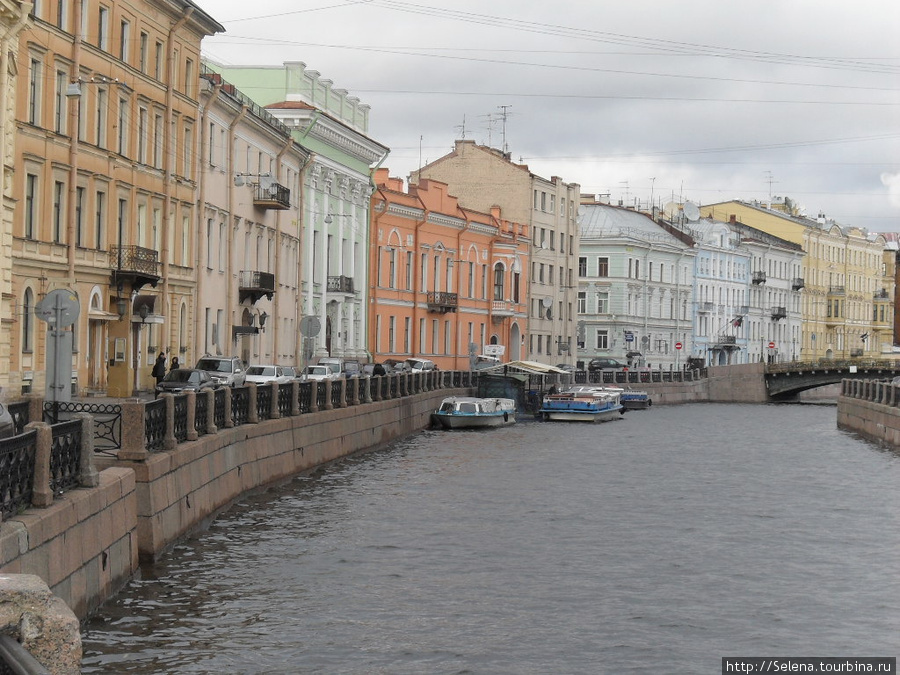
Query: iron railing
x=65 y=456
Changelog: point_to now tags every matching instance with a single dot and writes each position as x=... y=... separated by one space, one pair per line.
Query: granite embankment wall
x=870 y=408
x=744 y=383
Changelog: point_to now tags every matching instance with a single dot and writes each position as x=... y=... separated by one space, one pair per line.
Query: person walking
x=175 y=365
x=159 y=368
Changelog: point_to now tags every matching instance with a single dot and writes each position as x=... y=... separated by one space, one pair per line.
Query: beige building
x=847 y=289
x=482 y=178
x=106 y=176
x=13 y=19
x=248 y=258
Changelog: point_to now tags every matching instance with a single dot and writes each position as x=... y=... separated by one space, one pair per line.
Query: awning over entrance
x=143 y=309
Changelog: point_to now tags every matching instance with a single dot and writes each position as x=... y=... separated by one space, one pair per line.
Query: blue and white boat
x=469 y=412
x=583 y=404
x=633 y=399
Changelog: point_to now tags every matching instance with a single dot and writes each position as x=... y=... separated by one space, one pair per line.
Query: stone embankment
x=870 y=408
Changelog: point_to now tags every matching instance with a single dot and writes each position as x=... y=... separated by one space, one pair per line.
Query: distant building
x=446 y=281
x=483 y=178
x=635 y=289
x=846 y=284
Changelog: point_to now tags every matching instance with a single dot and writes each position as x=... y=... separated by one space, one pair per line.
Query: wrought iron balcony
x=340 y=284
x=135 y=266
x=881 y=295
x=759 y=277
x=779 y=313
x=836 y=290
x=856 y=352
x=797 y=284
x=442 y=302
x=271 y=196
x=726 y=342
x=254 y=285
x=704 y=307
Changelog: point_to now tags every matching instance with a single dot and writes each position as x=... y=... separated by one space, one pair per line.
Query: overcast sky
x=698 y=100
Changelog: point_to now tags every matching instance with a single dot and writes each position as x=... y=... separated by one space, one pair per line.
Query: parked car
x=604 y=363
x=185 y=379
x=227 y=370
x=318 y=373
x=7 y=424
x=568 y=367
x=396 y=366
x=269 y=373
x=484 y=361
x=420 y=365
x=334 y=363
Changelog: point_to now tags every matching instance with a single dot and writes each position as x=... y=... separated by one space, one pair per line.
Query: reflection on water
x=658 y=543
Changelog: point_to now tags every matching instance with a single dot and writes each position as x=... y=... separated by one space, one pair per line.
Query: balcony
x=836 y=290
x=254 y=285
x=501 y=309
x=271 y=196
x=856 y=352
x=135 y=266
x=442 y=302
x=881 y=295
x=704 y=307
x=759 y=277
x=779 y=313
x=728 y=342
x=797 y=284
x=340 y=284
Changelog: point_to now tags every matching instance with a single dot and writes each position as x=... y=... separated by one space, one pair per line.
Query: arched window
x=28 y=321
x=498 y=282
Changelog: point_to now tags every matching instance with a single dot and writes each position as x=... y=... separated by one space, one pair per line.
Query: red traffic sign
x=677 y=345
x=771 y=345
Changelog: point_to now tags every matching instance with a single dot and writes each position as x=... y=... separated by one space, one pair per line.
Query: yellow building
x=848 y=288
x=106 y=175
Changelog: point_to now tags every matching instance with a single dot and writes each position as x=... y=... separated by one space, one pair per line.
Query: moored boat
x=583 y=404
x=469 y=412
x=632 y=399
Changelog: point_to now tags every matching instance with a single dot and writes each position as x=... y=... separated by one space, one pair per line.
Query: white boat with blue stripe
x=469 y=412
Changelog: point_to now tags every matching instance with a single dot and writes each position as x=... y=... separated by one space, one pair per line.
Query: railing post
x=192 y=434
x=328 y=386
x=210 y=395
x=346 y=385
x=274 y=410
x=229 y=416
x=35 y=407
x=88 y=476
x=354 y=391
x=41 y=495
x=134 y=440
x=170 y=442
x=252 y=412
x=295 y=398
x=375 y=381
x=314 y=395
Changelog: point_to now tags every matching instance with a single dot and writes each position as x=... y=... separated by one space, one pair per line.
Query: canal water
x=659 y=543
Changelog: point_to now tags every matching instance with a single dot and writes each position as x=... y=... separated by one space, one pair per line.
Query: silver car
x=226 y=370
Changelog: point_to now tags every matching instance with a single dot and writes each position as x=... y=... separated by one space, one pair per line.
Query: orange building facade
x=445 y=282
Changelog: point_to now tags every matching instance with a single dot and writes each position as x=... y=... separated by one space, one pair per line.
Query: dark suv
x=605 y=364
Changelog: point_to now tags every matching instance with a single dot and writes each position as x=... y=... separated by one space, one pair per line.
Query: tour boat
x=468 y=412
x=633 y=399
x=583 y=404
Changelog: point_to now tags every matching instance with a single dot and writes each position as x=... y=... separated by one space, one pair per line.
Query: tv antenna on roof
x=504 y=116
x=462 y=129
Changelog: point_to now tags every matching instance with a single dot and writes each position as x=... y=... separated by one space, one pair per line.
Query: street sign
x=59 y=308
x=771 y=345
x=678 y=345
x=629 y=337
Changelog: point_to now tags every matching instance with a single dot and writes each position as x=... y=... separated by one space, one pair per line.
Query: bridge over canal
x=786 y=380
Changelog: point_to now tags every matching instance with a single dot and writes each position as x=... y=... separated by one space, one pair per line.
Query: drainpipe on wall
x=229 y=289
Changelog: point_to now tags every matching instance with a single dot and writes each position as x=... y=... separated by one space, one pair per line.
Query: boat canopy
x=532 y=367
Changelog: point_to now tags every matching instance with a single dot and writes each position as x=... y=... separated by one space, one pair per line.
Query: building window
x=602 y=303
x=122 y=135
x=28 y=321
x=98 y=222
x=143 y=54
x=103 y=29
x=157 y=141
x=100 y=131
x=188 y=77
x=143 y=120
x=158 y=61
x=582 y=266
x=498 y=282
x=59 y=113
x=58 y=188
x=124 y=41
x=79 y=216
x=602 y=267
x=602 y=339
x=62 y=14
x=30 y=204
x=582 y=302
x=34 y=93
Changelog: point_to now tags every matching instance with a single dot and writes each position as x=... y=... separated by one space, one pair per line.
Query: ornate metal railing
x=340 y=284
x=155 y=424
x=264 y=402
x=181 y=418
x=134 y=259
x=107 y=419
x=285 y=398
x=321 y=401
x=305 y=396
x=219 y=412
x=240 y=405
x=337 y=388
x=65 y=456
x=201 y=413
x=17 y=473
